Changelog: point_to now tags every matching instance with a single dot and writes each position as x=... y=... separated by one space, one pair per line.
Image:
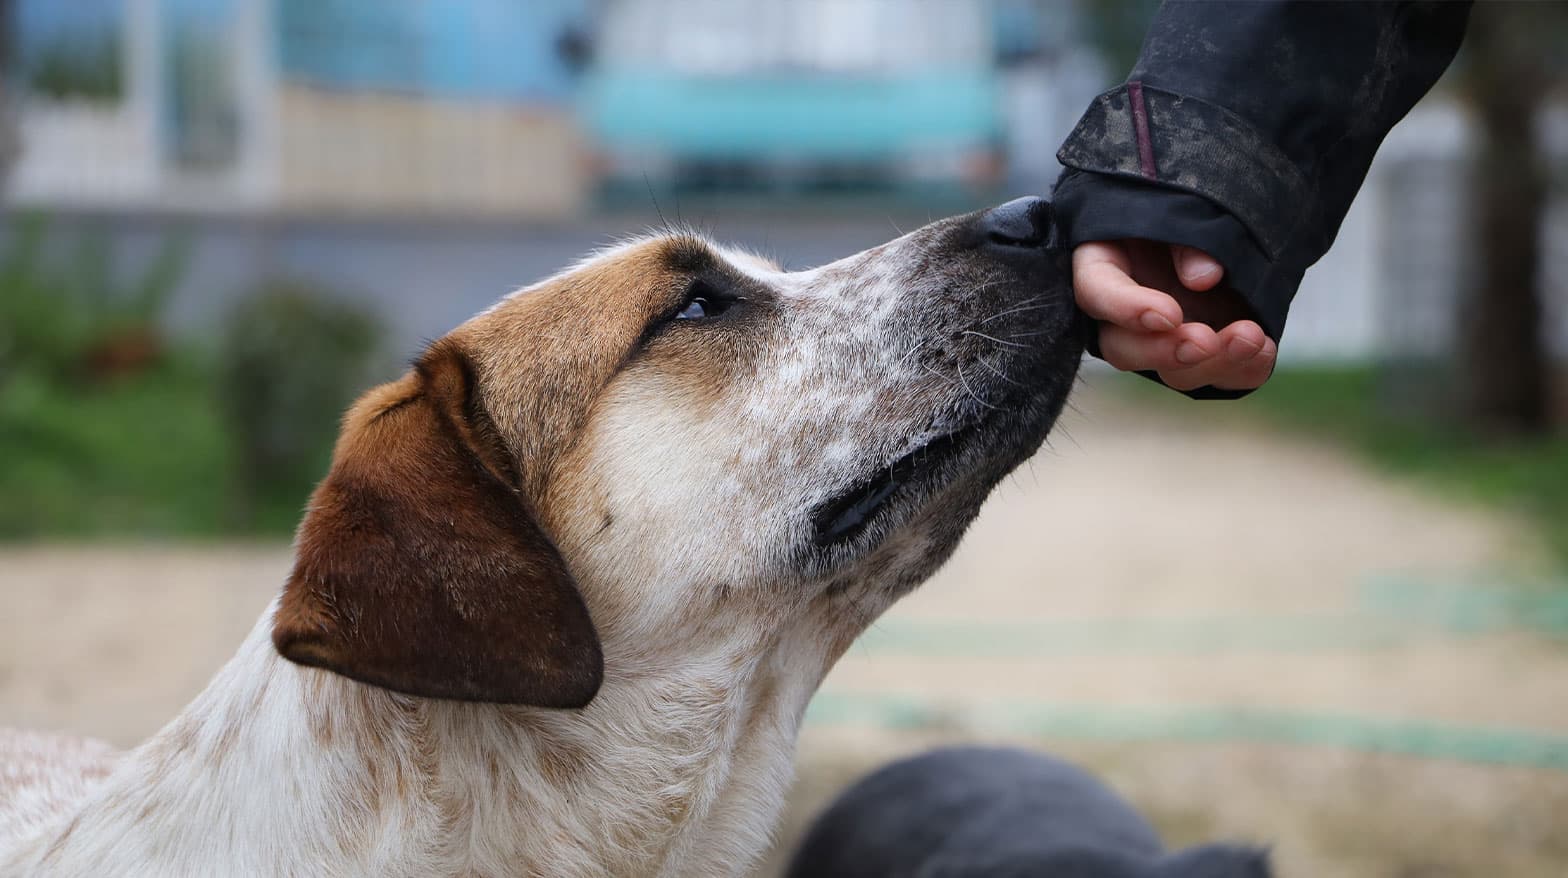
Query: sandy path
x=1224 y=623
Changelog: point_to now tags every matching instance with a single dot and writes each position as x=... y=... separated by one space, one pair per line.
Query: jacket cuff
x=1151 y=135
x=1092 y=207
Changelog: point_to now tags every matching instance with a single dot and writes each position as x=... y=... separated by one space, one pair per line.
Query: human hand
x=1159 y=310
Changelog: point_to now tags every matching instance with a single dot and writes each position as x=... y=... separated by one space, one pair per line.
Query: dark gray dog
x=981 y=812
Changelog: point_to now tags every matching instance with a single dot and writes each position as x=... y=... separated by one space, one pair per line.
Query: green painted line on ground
x=1388 y=612
x=1100 y=636
x=1468 y=606
x=1481 y=745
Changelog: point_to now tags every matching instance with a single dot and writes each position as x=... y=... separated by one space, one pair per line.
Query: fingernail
x=1189 y=352
x=1154 y=321
x=1241 y=349
x=1207 y=271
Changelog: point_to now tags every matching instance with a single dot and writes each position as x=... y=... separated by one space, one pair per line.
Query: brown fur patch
x=544 y=359
x=419 y=569
x=423 y=564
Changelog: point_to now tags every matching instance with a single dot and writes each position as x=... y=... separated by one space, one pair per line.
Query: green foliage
x=84 y=67
x=1116 y=28
x=291 y=360
x=147 y=455
x=106 y=429
x=64 y=318
x=102 y=430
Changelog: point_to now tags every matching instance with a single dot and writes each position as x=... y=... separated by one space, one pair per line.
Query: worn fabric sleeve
x=1246 y=128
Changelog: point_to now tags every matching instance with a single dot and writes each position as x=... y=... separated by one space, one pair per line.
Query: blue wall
x=478 y=49
x=797 y=117
x=45 y=19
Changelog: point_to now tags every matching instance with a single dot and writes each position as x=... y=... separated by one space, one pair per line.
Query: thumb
x=1197 y=270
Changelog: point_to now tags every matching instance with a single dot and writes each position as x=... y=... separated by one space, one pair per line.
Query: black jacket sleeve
x=1246 y=128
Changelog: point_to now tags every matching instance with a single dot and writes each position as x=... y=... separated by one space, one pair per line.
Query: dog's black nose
x=1022 y=222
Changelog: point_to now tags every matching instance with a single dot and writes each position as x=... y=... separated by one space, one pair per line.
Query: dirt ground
x=1253 y=638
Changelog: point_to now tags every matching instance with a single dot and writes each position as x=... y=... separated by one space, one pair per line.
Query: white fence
x=84 y=153
x=1389 y=287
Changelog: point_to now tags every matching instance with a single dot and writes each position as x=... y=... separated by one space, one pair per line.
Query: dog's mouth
x=842 y=518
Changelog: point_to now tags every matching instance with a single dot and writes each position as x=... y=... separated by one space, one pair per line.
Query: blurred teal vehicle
x=807 y=93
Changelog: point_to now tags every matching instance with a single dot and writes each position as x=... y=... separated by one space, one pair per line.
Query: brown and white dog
x=561 y=600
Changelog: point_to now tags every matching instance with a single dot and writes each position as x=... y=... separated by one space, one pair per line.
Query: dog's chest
x=42 y=777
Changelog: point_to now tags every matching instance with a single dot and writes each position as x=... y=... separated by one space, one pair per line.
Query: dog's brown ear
x=418 y=566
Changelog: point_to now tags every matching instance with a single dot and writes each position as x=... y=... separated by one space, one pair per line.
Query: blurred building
x=1419 y=231
x=725 y=93
x=318 y=114
x=473 y=106
x=301 y=105
x=816 y=90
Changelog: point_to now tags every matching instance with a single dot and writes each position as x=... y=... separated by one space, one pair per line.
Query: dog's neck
x=280 y=769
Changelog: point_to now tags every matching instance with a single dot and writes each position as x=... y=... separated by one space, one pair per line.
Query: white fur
x=241 y=784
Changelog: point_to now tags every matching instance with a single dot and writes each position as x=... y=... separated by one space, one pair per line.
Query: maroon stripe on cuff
x=1140 y=123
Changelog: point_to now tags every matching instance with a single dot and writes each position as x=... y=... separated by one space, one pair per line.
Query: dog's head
x=671 y=435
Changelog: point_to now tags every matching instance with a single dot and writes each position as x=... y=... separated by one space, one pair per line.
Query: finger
x=1224 y=373
x=1135 y=351
x=1197 y=270
x=1254 y=372
x=1106 y=291
x=1198 y=343
x=1242 y=340
x=1210 y=371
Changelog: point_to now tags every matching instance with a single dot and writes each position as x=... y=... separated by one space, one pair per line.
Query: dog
x=560 y=601
x=993 y=812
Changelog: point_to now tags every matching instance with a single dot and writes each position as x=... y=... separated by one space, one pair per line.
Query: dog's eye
x=696 y=309
x=704 y=301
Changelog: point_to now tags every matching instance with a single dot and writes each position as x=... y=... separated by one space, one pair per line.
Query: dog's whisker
x=914 y=350
x=1068 y=435
x=945 y=378
x=998 y=373
x=1032 y=303
x=970 y=390
x=995 y=339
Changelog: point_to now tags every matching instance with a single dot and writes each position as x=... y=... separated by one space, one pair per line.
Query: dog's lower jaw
x=278 y=769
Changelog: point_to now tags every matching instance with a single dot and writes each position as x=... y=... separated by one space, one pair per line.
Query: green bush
x=68 y=320
x=291 y=359
x=88 y=66
x=103 y=429
x=107 y=428
x=144 y=456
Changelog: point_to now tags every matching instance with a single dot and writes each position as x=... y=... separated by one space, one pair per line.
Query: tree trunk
x=1504 y=363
